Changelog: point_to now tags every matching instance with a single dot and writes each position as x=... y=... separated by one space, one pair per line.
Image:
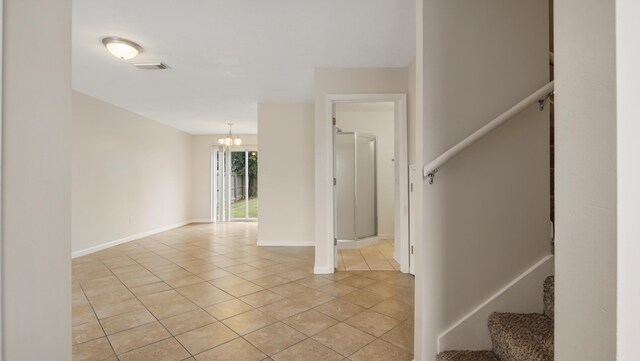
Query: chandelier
x=229 y=139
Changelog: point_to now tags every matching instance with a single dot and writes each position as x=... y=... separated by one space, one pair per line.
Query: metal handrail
x=540 y=96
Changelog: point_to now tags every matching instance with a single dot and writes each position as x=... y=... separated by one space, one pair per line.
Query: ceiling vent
x=150 y=65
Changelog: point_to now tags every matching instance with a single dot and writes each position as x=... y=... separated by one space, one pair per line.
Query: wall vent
x=150 y=65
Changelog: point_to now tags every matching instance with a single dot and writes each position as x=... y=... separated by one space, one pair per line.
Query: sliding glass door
x=235 y=184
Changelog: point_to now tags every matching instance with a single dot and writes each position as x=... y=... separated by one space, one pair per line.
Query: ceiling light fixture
x=229 y=139
x=121 y=48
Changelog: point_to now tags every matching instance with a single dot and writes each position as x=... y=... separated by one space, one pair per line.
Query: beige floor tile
x=86 y=332
x=95 y=350
x=363 y=298
x=187 y=321
x=340 y=309
x=120 y=294
x=82 y=313
x=213 y=274
x=284 y=308
x=126 y=321
x=109 y=309
x=236 y=350
x=308 y=350
x=274 y=338
x=261 y=298
x=183 y=281
x=401 y=336
x=314 y=281
x=380 y=350
x=372 y=322
x=242 y=289
x=239 y=268
x=158 y=298
x=166 y=310
x=227 y=281
x=344 y=339
x=167 y=272
x=228 y=309
x=250 y=321
x=357 y=281
x=166 y=350
x=394 y=308
x=140 y=336
x=313 y=298
x=150 y=289
x=336 y=289
x=204 y=294
x=270 y=281
x=310 y=322
x=205 y=338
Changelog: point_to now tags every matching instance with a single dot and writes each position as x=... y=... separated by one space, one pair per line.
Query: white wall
x=286 y=174
x=36 y=176
x=201 y=175
x=486 y=217
x=585 y=136
x=628 y=88
x=131 y=175
x=340 y=81
x=381 y=124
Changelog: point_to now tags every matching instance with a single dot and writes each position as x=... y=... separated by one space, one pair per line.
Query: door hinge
x=334 y=121
x=411 y=249
x=335 y=241
x=335 y=181
x=411 y=187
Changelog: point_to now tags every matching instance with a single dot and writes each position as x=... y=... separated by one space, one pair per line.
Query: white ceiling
x=228 y=55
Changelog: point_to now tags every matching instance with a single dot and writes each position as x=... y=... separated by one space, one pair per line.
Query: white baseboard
x=522 y=295
x=322 y=270
x=281 y=243
x=203 y=220
x=106 y=245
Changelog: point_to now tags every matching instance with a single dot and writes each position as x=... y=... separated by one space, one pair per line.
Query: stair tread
x=522 y=337
x=467 y=356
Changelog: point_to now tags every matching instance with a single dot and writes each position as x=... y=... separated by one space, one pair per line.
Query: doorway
x=370 y=220
x=234 y=184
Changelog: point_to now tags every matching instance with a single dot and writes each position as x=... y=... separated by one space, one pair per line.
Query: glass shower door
x=355 y=198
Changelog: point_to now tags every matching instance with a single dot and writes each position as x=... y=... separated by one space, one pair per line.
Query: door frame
x=214 y=182
x=401 y=150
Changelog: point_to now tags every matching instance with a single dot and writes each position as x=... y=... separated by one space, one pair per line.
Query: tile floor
x=378 y=257
x=206 y=292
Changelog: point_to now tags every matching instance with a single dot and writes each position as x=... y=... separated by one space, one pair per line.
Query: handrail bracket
x=543 y=101
x=431 y=175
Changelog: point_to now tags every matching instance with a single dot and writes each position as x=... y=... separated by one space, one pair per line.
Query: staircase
x=516 y=336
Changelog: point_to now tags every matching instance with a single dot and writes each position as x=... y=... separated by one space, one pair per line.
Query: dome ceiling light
x=121 y=48
x=229 y=139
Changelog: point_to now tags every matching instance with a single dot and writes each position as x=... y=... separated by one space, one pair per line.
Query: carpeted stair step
x=467 y=356
x=549 y=296
x=521 y=336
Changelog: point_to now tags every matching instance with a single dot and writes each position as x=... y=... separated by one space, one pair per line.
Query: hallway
x=207 y=292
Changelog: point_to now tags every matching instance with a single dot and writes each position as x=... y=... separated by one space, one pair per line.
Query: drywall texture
x=486 y=217
x=628 y=113
x=201 y=176
x=285 y=181
x=340 y=81
x=585 y=181
x=381 y=124
x=131 y=175
x=36 y=177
